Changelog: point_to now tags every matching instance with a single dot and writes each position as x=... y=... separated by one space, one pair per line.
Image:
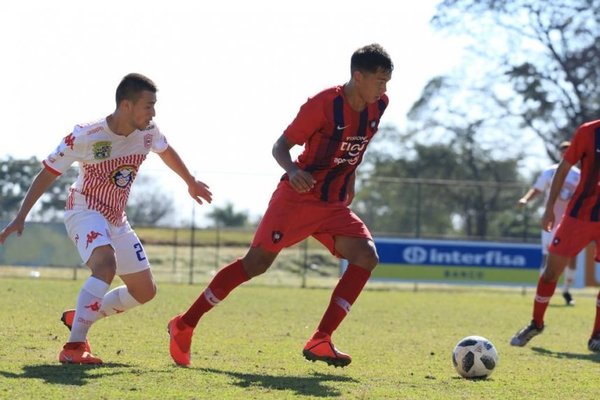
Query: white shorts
x=547 y=239
x=89 y=229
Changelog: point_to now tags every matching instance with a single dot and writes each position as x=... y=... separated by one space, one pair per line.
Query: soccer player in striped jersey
x=579 y=226
x=312 y=199
x=109 y=153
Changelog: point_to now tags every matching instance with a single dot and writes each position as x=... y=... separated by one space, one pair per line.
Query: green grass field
x=250 y=346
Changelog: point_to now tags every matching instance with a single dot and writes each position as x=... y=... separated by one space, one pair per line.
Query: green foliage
x=227 y=217
x=149 y=204
x=15 y=178
x=432 y=190
x=250 y=346
x=546 y=52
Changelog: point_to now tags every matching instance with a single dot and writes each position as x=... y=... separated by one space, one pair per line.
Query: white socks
x=568 y=279
x=88 y=307
x=117 y=301
x=94 y=303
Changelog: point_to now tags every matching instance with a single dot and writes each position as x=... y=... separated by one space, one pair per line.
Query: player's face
x=142 y=111
x=373 y=85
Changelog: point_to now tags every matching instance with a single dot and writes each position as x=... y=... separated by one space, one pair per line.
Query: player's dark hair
x=371 y=58
x=131 y=87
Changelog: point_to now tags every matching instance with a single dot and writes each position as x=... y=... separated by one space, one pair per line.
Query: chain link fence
x=414 y=208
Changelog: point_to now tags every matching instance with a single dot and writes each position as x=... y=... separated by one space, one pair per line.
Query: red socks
x=543 y=294
x=344 y=295
x=227 y=279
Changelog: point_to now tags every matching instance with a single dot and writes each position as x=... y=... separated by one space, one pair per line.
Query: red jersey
x=335 y=138
x=585 y=148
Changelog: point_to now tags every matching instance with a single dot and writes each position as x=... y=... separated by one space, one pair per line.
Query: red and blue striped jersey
x=335 y=138
x=585 y=148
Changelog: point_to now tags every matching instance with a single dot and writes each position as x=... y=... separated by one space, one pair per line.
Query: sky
x=231 y=74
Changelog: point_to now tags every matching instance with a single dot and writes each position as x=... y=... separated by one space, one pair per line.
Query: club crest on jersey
x=148 y=140
x=556 y=241
x=123 y=176
x=276 y=236
x=101 y=150
x=373 y=124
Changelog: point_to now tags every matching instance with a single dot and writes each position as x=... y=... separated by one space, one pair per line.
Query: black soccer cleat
x=523 y=337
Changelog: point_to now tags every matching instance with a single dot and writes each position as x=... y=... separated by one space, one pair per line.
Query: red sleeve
x=309 y=120
x=579 y=142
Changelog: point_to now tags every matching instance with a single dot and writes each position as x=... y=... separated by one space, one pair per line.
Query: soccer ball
x=474 y=357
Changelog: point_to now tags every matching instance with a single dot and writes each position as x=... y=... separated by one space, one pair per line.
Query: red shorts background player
x=109 y=152
x=542 y=185
x=580 y=226
x=313 y=198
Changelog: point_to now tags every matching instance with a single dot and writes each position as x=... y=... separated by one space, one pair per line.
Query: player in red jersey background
x=579 y=226
x=109 y=153
x=313 y=197
x=542 y=185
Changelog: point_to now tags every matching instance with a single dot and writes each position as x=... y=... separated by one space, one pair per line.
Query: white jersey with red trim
x=108 y=165
x=544 y=181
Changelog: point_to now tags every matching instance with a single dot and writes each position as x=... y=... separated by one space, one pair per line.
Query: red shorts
x=292 y=217
x=573 y=235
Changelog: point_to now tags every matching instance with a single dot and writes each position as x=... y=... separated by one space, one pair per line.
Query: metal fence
x=177 y=255
x=450 y=209
x=418 y=208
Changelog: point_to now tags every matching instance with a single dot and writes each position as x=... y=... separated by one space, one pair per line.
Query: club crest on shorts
x=276 y=236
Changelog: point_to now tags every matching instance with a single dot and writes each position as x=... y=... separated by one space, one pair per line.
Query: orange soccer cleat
x=322 y=349
x=76 y=353
x=67 y=319
x=180 y=341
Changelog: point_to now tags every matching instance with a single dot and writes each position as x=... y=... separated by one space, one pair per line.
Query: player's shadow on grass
x=315 y=385
x=74 y=375
x=559 y=354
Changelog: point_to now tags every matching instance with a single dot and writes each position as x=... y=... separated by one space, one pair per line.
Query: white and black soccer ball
x=474 y=357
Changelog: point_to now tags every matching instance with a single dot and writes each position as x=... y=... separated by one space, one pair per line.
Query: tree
x=533 y=70
x=439 y=189
x=541 y=57
x=15 y=178
x=227 y=217
x=149 y=204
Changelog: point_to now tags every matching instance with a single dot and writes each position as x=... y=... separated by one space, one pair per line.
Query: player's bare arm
x=548 y=219
x=531 y=193
x=198 y=190
x=40 y=184
x=300 y=180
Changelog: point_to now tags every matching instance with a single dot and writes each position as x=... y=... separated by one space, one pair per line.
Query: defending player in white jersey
x=109 y=153
x=542 y=185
